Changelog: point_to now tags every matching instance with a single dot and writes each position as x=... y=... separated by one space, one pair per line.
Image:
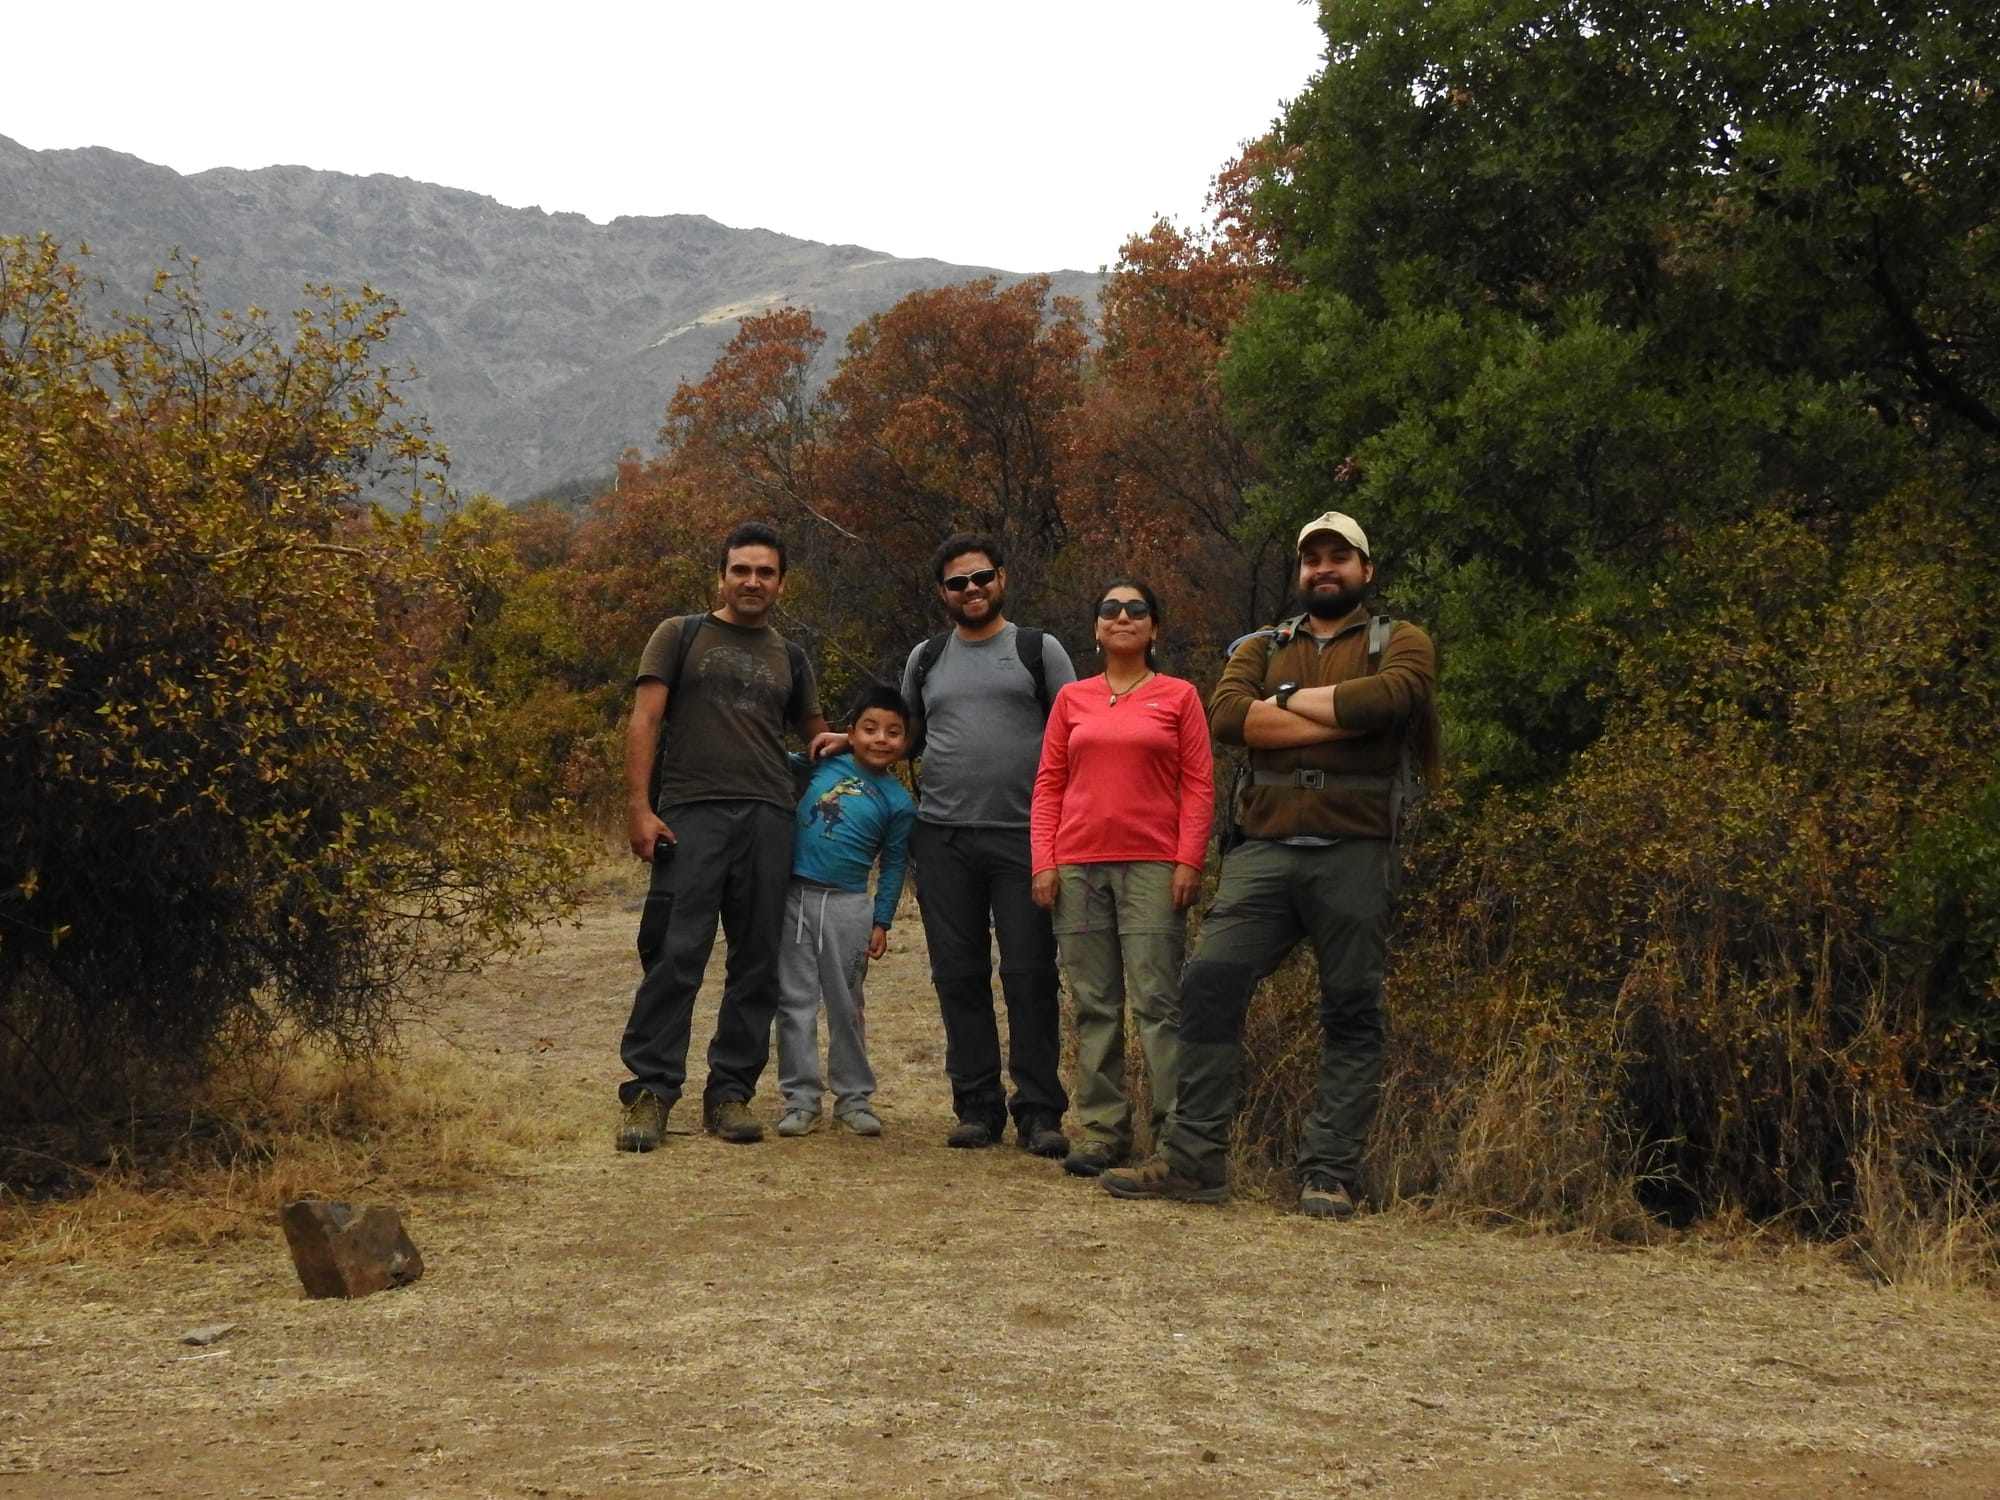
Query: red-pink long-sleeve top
x=1133 y=779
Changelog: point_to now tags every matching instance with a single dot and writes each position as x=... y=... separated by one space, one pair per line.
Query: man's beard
x=995 y=597
x=1334 y=606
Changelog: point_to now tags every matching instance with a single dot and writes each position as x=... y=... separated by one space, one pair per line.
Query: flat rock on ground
x=885 y=1317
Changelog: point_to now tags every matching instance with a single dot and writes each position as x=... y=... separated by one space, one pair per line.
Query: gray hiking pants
x=823 y=957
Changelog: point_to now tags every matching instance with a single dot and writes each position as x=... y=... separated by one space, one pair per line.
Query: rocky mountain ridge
x=547 y=344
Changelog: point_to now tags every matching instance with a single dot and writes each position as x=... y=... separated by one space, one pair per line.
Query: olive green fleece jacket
x=1387 y=707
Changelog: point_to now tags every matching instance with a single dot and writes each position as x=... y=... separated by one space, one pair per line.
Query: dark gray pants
x=733 y=861
x=972 y=886
x=1270 y=896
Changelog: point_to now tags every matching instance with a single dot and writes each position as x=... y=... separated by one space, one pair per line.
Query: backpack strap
x=795 y=701
x=1276 y=637
x=1029 y=646
x=795 y=659
x=1028 y=643
x=1379 y=630
x=690 y=628
x=927 y=657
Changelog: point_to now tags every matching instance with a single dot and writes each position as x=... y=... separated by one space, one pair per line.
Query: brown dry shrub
x=1920 y=1222
x=243 y=782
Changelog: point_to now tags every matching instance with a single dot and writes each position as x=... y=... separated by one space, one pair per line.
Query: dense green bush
x=1652 y=345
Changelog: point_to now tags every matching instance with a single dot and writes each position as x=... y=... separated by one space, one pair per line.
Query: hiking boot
x=971 y=1135
x=643 y=1123
x=1154 y=1178
x=732 y=1121
x=861 y=1121
x=798 y=1122
x=1041 y=1135
x=1323 y=1198
x=1092 y=1159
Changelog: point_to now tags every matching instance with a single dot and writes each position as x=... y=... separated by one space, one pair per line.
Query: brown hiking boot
x=1323 y=1198
x=732 y=1121
x=1092 y=1159
x=1154 y=1178
x=643 y=1123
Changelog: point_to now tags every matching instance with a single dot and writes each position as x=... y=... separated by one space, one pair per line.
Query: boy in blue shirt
x=853 y=814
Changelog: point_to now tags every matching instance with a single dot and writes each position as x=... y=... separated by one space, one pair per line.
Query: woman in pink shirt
x=1119 y=829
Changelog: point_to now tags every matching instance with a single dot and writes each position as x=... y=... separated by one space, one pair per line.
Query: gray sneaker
x=643 y=1123
x=732 y=1121
x=861 y=1121
x=798 y=1122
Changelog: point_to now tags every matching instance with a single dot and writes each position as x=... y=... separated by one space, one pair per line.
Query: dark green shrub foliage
x=1654 y=346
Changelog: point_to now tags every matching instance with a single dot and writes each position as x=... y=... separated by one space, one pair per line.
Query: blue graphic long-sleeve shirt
x=847 y=819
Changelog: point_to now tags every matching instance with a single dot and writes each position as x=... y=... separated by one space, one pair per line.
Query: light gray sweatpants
x=823 y=955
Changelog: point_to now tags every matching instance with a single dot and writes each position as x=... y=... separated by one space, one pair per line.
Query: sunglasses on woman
x=1109 y=609
x=958 y=583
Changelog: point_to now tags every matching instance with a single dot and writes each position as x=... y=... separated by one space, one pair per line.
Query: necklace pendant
x=1125 y=692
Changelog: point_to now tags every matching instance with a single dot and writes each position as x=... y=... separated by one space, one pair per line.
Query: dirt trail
x=887 y=1317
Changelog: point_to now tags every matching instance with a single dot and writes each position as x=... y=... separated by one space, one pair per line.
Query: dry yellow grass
x=431 y=1119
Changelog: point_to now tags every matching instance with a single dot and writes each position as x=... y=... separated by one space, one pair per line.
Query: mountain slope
x=547 y=344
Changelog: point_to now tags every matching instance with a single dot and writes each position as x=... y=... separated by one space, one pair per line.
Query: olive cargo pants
x=1121 y=940
x=1271 y=895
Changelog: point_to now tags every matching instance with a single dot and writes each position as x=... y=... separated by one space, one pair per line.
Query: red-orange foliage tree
x=746 y=436
x=949 y=412
x=736 y=445
x=1156 y=475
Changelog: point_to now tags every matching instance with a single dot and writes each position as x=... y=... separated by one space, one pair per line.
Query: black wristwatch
x=1283 y=697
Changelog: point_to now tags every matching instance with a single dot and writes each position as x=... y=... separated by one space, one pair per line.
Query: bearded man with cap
x=1337 y=710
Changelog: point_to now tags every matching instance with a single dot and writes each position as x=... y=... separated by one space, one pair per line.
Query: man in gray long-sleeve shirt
x=981 y=693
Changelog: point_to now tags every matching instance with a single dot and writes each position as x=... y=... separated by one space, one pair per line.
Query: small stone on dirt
x=208 y=1333
x=345 y=1250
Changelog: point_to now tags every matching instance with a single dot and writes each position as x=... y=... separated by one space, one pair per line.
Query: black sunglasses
x=1108 y=609
x=958 y=583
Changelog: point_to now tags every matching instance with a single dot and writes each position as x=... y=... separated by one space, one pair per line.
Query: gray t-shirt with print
x=982 y=728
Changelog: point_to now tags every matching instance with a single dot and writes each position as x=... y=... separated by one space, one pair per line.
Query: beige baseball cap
x=1339 y=525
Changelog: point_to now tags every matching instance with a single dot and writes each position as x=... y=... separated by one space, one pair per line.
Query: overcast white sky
x=1028 y=135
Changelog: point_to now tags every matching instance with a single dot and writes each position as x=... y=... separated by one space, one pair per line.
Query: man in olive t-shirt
x=719 y=836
